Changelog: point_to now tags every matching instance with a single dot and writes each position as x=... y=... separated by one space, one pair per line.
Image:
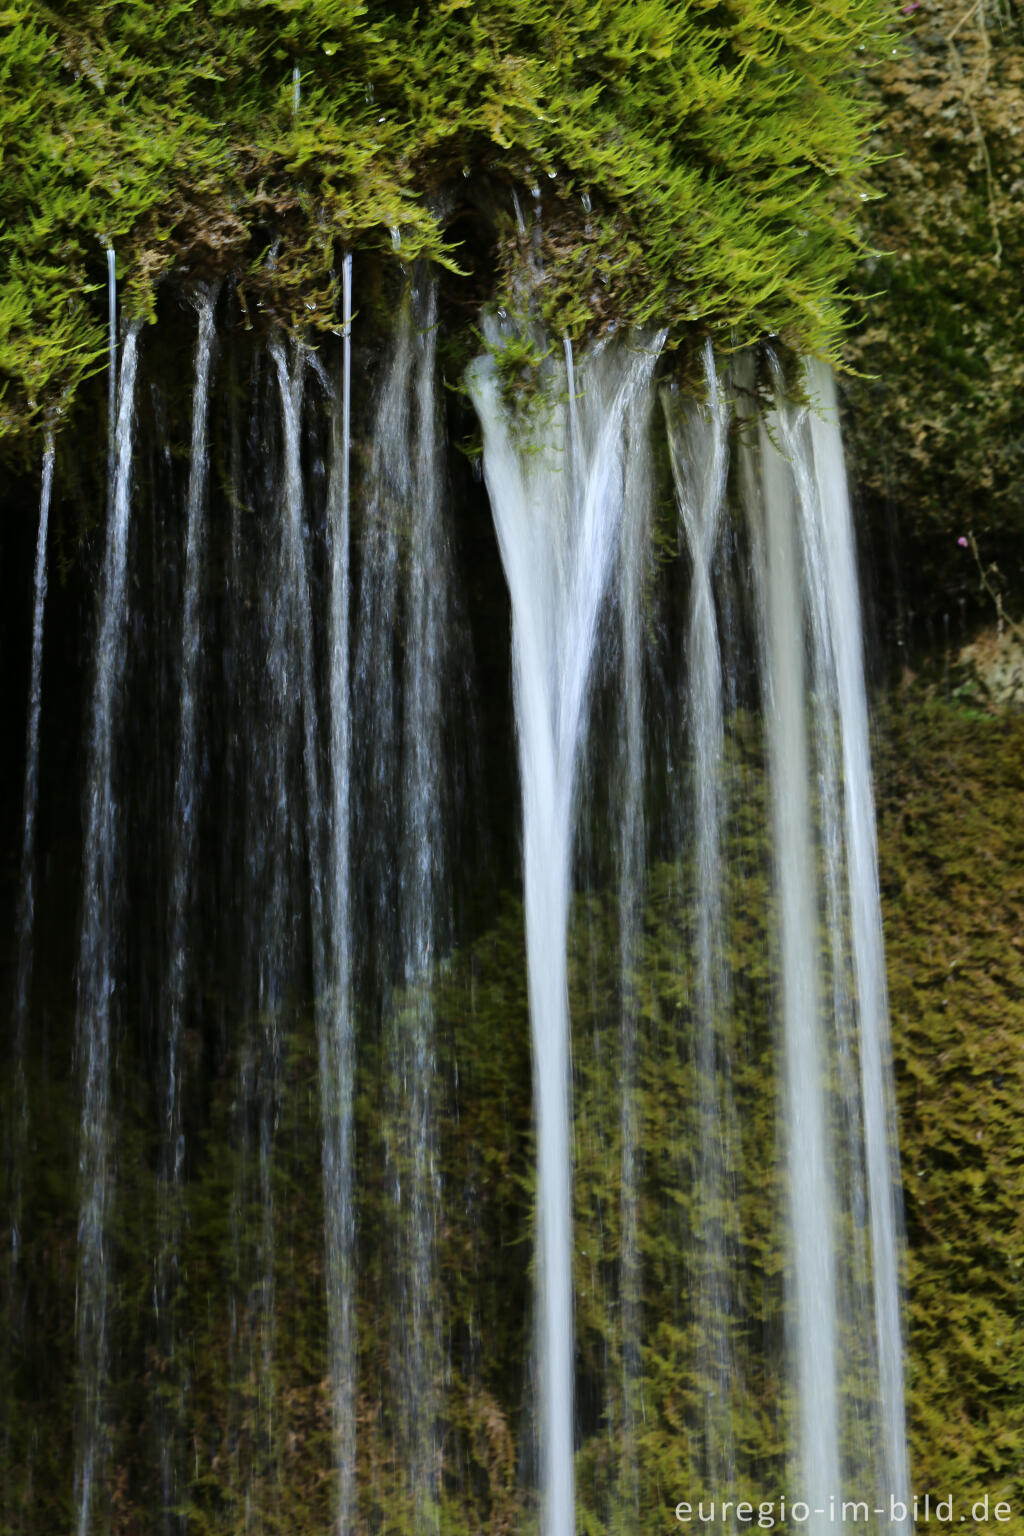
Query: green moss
x=952 y=863
x=718 y=146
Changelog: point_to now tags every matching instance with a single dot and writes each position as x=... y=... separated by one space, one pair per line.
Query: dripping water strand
x=184 y=834
x=96 y=966
x=698 y=447
x=634 y=569
x=847 y=1146
x=423 y=923
x=811 y=1303
x=336 y=1025
x=186 y=786
x=111 y=367
x=865 y=906
x=26 y=894
x=556 y=543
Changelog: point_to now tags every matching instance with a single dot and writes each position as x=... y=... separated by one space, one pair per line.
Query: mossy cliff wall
x=936 y=430
x=698 y=162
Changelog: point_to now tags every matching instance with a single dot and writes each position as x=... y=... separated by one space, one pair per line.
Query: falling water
x=324 y=728
x=852 y=1297
x=840 y=576
x=96 y=962
x=405 y=634
x=557 y=533
x=807 y=591
x=805 y=1110
x=186 y=782
x=422 y=751
x=26 y=895
x=183 y=831
x=698 y=445
x=111 y=365
x=634 y=571
x=335 y=1023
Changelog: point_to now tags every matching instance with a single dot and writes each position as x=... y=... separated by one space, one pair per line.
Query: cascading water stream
x=272 y=864
x=184 y=833
x=633 y=574
x=421 y=899
x=811 y=1196
x=557 y=534
x=186 y=786
x=111 y=366
x=866 y=922
x=802 y=537
x=30 y=802
x=699 y=450
x=334 y=1014
x=96 y=961
x=406 y=591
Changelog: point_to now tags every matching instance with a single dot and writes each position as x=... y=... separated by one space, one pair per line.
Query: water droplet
x=396 y=237
x=585 y=200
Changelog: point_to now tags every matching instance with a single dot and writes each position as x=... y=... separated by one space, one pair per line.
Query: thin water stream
x=555 y=482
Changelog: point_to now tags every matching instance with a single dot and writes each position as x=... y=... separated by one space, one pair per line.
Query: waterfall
x=805 y=1111
x=405 y=603
x=840 y=576
x=26 y=894
x=555 y=479
x=334 y=1014
x=96 y=961
x=186 y=786
x=634 y=573
x=699 y=451
x=421 y=844
x=183 y=855
x=802 y=537
x=111 y=365
x=323 y=1275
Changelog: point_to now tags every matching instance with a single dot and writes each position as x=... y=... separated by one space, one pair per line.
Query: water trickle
x=699 y=450
x=401 y=661
x=335 y=1023
x=555 y=480
x=805 y=1110
x=183 y=856
x=96 y=973
x=633 y=577
x=837 y=1091
x=26 y=894
x=840 y=576
x=186 y=787
x=111 y=366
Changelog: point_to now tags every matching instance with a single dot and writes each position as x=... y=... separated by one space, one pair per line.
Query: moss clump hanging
x=696 y=162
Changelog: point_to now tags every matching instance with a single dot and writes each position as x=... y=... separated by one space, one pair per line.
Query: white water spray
x=699 y=449
x=186 y=785
x=335 y=1021
x=26 y=894
x=555 y=481
x=866 y=921
x=96 y=962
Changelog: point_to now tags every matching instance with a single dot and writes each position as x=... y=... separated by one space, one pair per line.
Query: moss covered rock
x=695 y=162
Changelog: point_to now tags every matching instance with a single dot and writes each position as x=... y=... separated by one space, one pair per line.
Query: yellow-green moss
x=718 y=146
